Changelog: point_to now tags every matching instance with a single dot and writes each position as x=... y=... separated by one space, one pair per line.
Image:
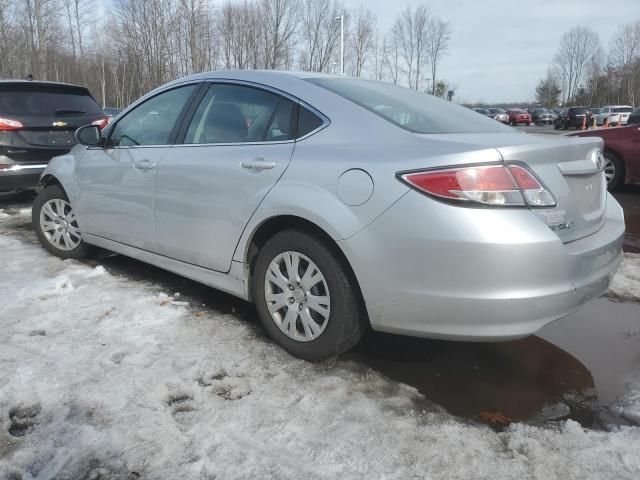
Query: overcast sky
x=500 y=48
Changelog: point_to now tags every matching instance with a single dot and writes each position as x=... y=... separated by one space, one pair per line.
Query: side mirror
x=88 y=135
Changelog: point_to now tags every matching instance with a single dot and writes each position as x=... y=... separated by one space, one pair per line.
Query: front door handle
x=258 y=163
x=144 y=164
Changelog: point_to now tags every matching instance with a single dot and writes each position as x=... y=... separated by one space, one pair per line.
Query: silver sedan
x=338 y=205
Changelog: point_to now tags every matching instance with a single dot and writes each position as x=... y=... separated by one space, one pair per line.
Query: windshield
x=623 y=109
x=409 y=109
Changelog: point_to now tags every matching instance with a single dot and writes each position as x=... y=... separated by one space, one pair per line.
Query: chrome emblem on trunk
x=60 y=124
x=560 y=227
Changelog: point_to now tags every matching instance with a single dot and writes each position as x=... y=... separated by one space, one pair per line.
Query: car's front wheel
x=306 y=296
x=56 y=224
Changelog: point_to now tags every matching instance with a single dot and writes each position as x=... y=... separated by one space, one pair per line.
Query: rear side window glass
x=239 y=114
x=46 y=101
x=152 y=122
x=307 y=122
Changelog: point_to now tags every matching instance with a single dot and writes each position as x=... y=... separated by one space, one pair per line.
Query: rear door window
x=46 y=101
x=241 y=114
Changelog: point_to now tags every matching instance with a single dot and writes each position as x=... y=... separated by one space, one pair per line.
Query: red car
x=518 y=115
x=621 y=153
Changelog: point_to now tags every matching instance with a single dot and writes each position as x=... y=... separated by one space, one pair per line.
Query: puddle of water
x=574 y=368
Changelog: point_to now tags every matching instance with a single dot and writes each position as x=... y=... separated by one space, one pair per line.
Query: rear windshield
x=579 y=110
x=623 y=109
x=49 y=101
x=414 y=111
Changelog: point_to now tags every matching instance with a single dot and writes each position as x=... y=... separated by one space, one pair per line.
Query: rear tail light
x=6 y=124
x=494 y=185
x=103 y=122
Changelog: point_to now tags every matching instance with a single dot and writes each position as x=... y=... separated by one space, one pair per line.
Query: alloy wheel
x=609 y=170
x=297 y=296
x=59 y=224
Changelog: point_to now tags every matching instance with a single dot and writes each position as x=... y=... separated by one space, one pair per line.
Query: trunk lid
x=573 y=173
x=567 y=167
x=56 y=131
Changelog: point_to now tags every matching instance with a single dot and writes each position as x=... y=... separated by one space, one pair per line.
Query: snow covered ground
x=103 y=377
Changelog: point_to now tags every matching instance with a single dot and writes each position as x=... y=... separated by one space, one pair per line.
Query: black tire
x=347 y=321
x=618 y=177
x=565 y=126
x=53 y=192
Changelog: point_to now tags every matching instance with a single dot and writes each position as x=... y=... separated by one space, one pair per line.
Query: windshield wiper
x=64 y=111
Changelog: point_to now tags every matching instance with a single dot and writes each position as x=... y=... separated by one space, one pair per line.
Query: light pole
x=341 y=18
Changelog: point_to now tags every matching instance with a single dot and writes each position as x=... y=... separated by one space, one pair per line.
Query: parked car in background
x=543 y=116
x=483 y=111
x=37 y=122
x=621 y=153
x=613 y=114
x=328 y=249
x=572 y=117
x=517 y=116
x=634 y=117
x=499 y=114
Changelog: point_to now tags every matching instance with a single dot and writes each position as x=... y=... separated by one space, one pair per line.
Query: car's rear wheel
x=56 y=224
x=306 y=296
x=613 y=170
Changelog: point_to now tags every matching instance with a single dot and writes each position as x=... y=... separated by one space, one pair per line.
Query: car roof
x=257 y=75
x=40 y=83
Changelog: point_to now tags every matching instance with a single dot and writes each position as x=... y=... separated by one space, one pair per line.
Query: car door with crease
x=115 y=184
x=236 y=146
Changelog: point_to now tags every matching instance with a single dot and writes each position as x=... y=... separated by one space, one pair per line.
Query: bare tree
x=438 y=42
x=625 y=55
x=578 y=50
x=362 y=40
x=280 y=22
x=391 y=55
x=320 y=33
x=412 y=29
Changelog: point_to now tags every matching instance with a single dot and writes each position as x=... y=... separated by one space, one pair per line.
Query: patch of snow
x=100 y=379
x=626 y=282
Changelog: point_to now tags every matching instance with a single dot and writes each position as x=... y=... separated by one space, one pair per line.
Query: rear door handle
x=257 y=164
x=144 y=164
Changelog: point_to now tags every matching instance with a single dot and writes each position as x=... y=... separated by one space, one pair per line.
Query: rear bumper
x=477 y=274
x=21 y=177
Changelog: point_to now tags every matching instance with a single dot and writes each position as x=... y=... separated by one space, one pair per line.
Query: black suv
x=37 y=122
x=573 y=117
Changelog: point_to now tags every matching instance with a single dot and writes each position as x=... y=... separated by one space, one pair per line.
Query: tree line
x=136 y=45
x=585 y=73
